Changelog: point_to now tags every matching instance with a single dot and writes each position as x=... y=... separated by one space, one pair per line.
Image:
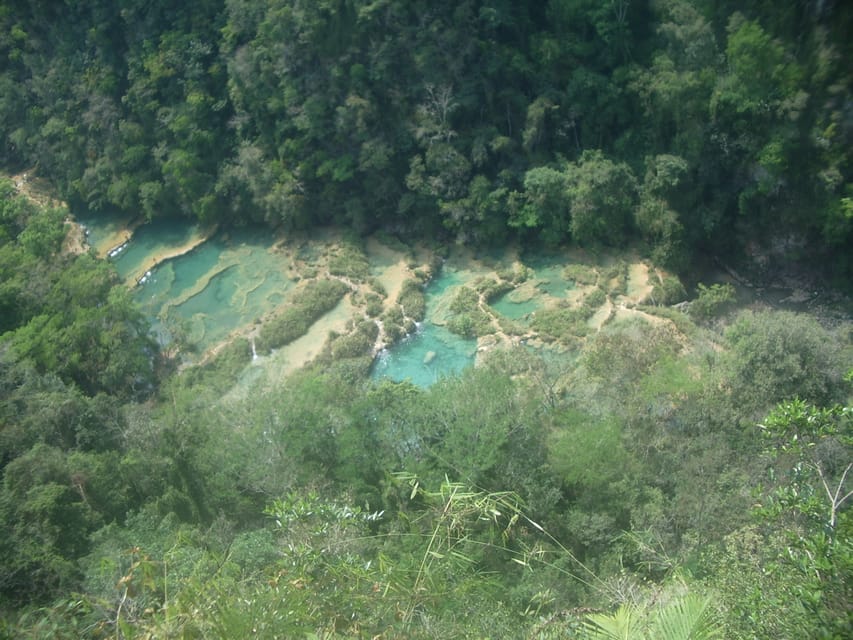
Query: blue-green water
x=513 y=309
x=101 y=229
x=546 y=282
x=234 y=279
x=425 y=356
x=432 y=352
x=149 y=239
x=224 y=284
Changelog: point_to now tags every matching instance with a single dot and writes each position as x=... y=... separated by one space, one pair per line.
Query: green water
x=100 y=229
x=149 y=240
x=424 y=357
x=222 y=285
x=432 y=352
x=510 y=307
x=234 y=279
x=545 y=283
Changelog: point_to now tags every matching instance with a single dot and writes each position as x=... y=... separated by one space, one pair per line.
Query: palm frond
x=626 y=624
x=688 y=618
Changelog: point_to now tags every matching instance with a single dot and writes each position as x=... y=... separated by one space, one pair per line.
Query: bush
x=779 y=355
x=469 y=320
x=220 y=373
x=373 y=305
x=378 y=287
x=712 y=301
x=490 y=288
x=580 y=273
x=413 y=300
x=357 y=343
x=466 y=300
x=308 y=305
x=669 y=291
x=561 y=323
x=351 y=263
x=594 y=299
x=392 y=321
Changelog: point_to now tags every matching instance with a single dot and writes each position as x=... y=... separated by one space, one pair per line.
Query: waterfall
x=254 y=351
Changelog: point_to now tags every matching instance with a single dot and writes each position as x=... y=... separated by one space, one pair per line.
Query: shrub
x=779 y=355
x=350 y=262
x=308 y=305
x=712 y=300
x=220 y=373
x=373 y=305
x=490 y=288
x=466 y=300
x=594 y=299
x=469 y=320
x=561 y=323
x=669 y=291
x=580 y=273
x=412 y=300
x=356 y=343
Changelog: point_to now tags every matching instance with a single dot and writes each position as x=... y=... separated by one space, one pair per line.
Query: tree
x=603 y=195
x=779 y=355
x=544 y=204
x=790 y=576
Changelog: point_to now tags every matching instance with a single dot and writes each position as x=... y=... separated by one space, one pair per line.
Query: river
x=208 y=286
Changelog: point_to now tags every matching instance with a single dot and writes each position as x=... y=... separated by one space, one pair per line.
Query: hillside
x=637 y=214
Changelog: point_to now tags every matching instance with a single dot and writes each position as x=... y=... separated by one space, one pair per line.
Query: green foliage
x=801 y=567
x=781 y=355
x=595 y=298
x=358 y=343
x=66 y=315
x=350 y=262
x=712 y=301
x=820 y=442
x=491 y=289
x=468 y=318
x=521 y=119
x=374 y=305
x=602 y=195
x=562 y=323
x=698 y=129
x=412 y=300
x=581 y=273
x=669 y=291
x=686 y=618
x=588 y=453
x=220 y=373
x=310 y=303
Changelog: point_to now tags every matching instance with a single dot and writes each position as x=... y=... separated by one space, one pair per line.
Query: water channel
x=207 y=286
x=432 y=351
x=216 y=287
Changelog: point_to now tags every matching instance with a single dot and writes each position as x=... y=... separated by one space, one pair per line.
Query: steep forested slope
x=669 y=471
x=676 y=121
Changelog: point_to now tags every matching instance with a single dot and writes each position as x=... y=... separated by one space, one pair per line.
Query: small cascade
x=254 y=351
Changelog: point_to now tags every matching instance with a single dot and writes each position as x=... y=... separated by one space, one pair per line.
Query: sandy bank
x=159 y=257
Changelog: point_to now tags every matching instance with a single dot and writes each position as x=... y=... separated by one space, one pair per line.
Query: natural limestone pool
x=432 y=351
x=202 y=287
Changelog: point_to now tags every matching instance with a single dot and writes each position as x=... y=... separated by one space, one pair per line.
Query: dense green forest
x=688 y=478
x=698 y=126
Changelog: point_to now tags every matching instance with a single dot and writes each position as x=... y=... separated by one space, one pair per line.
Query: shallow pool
x=432 y=351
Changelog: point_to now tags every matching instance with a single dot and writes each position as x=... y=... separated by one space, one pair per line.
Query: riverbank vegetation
x=651 y=469
x=698 y=126
x=662 y=467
